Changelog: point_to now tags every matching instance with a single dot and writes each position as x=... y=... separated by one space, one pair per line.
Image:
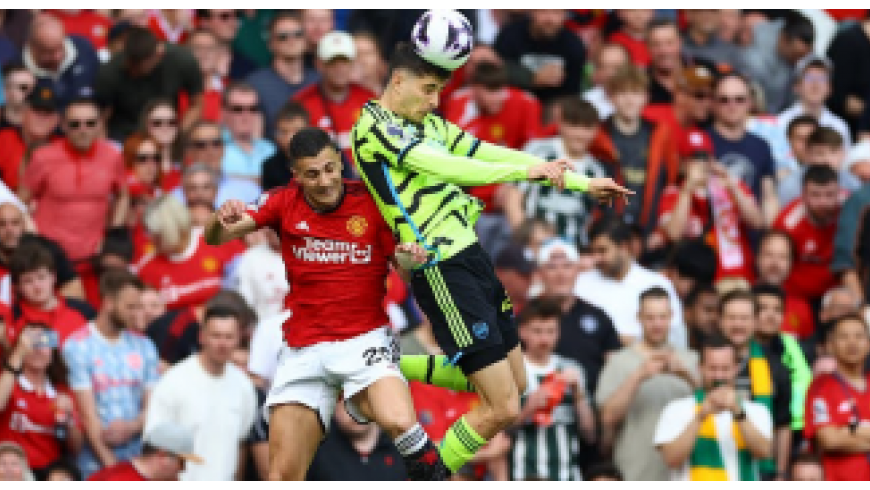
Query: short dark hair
x=13 y=67
x=848 y=317
x=66 y=465
x=140 y=44
x=774 y=233
x=612 y=227
x=804 y=458
x=655 y=292
x=694 y=258
x=769 y=290
x=540 y=308
x=798 y=27
x=716 y=341
x=309 y=142
x=405 y=58
x=118 y=244
x=738 y=295
x=115 y=280
x=698 y=290
x=238 y=87
x=578 y=112
x=221 y=311
x=603 y=469
x=293 y=110
x=30 y=258
x=284 y=15
x=719 y=80
x=490 y=75
x=802 y=120
x=824 y=136
x=820 y=175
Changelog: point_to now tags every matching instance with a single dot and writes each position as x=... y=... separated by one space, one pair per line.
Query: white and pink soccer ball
x=443 y=38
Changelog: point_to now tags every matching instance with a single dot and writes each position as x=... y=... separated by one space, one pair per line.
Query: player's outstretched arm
x=229 y=222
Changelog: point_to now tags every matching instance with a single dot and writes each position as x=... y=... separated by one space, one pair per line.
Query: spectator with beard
x=609 y=59
x=78 y=184
x=838 y=404
x=205 y=144
x=14 y=235
x=552 y=54
x=637 y=383
x=702 y=39
x=68 y=63
x=278 y=169
x=776 y=254
x=334 y=102
x=17 y=84
x=701 y=312
x=200 y=184
x=39 y=121
x=666 y=63
x=145 y=70
x=245 y=148
x=287 y=74
x=206 y=391
x=811 y=221
x=746 y=156
x=112 y=372
x=224 y=24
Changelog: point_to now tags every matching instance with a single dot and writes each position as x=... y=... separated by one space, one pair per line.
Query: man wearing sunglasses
x=224 y=24
x=245 y=149
x=17 y=84
x=287 y=74
x=78 y=184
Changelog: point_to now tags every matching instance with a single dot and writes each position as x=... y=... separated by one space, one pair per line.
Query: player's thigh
x=295 y=432
x=388 y=403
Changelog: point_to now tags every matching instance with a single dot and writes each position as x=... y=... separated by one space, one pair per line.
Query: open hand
x=605 y=190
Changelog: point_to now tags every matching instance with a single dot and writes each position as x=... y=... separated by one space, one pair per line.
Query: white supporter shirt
x=678 y=414
x=260 y=277
x=621 y=300
x=827 y=119
x=266 y=346
x=218 y=410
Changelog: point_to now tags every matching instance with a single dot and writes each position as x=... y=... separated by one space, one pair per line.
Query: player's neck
x=106 y=328
x=321 y=207
x=650 y=347
x=853 y=373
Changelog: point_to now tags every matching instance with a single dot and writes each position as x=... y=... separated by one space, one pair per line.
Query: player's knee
x=398 y=421
x=504 y=411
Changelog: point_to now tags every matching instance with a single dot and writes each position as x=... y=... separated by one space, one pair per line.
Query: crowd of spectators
x=712 y=327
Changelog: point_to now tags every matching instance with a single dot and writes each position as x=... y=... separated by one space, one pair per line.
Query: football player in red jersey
x=336 y=249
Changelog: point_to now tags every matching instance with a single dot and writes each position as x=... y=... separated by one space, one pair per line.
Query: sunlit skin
x=822 y=201
x=320 y=178
x=655 y=316
x=770 y=315
x=37 y=287
x=774 y=260
x=539 y=336
x=849 y=344
x=738 y=322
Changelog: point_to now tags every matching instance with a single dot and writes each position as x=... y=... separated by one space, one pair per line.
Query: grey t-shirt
x=634 y=452
x=273 y=92
x=633 y=152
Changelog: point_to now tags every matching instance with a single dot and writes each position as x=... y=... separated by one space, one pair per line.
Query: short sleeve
x=268 y=209
x=75 y=356
x=674 y=419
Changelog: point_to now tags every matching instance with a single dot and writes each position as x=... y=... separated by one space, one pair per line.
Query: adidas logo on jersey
x=302 y=226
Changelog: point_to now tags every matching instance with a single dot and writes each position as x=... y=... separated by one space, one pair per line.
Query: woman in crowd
x=36 y=407
x=160 y=121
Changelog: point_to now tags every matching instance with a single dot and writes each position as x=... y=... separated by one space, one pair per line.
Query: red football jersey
x=337 y=262
x=811 y=274
x=336 y=118
x=699 y=217
x=120 y=472
x=190 y=278
x=29 y=419
x=798 y=318
x=63 y=319
x=834 y=402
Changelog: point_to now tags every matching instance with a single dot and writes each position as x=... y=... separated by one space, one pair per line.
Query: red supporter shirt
x=86 y=23
x=636 y=47
x=336 y=118
x=190 y=278
x=63 y=319
x=833 y=402
x=699 y=219
x=29 y=419
x=164 y=31
x=120 y=472
x=811 y=275
x=10 y=158
x=337 y=263
x=73 y=192
x=513 y=126
x=798 y=319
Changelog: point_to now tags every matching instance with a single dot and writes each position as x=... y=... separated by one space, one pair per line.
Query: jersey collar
x=27 y=386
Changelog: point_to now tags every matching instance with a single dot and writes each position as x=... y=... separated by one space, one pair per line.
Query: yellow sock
x=459 y=445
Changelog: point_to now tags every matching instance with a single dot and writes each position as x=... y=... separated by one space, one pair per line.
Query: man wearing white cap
x=587 y=334
x=165 y=450
x=334 y=103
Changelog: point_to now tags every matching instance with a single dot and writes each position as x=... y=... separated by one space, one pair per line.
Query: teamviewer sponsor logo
x=333 y=252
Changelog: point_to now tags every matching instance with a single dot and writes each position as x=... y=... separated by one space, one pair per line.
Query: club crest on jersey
x=480 y=330
x=357 y=225
x=209 y=264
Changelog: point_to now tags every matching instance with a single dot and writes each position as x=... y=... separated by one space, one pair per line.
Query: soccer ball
x=443 y=38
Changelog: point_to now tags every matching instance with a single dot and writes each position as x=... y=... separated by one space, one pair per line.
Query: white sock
x=412 y=441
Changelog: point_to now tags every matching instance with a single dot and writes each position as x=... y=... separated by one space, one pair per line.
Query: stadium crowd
x=133 y=350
